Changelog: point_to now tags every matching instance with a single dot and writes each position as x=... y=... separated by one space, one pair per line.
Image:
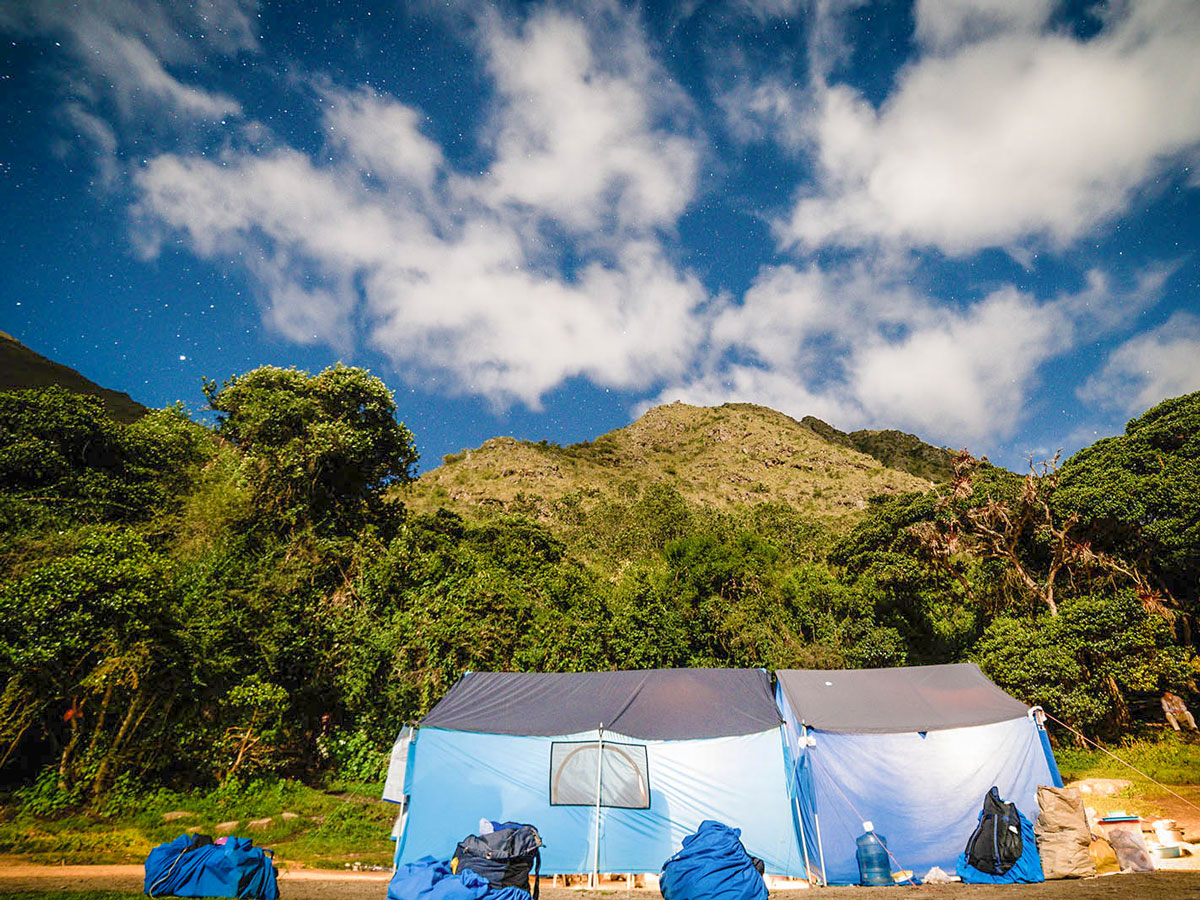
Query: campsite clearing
x=119 y=882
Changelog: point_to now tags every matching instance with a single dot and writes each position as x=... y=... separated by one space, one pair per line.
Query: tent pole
x=808 y=873
x=596 y=849
x=820 y=849
x=799 y=808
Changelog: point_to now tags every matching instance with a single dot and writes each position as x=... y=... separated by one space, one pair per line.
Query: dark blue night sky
x=977 y=220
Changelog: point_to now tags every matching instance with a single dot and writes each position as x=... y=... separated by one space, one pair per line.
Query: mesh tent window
x=624 y=779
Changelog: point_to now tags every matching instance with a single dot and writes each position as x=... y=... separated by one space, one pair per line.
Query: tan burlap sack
x=1104 y=857
x=1063 y=839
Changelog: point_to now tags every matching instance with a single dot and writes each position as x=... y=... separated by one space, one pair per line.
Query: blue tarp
x=431 y=879
x=1026 y=870
x=235 y=869
x=712 y=865
x=458 y=777
x=1051 y=762
x=920 y=789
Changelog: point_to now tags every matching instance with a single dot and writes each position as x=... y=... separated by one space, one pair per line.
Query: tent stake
x=596 y=850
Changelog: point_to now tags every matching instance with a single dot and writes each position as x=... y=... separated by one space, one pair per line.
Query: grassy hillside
x=22 y=368
x=734 y=455
x=895 y=449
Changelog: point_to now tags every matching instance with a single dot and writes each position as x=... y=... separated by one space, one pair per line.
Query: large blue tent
x=912 y=750
x=613 y=768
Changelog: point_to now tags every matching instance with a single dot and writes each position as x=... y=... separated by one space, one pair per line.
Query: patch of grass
x=345 y=822
x=1171 y=760
x=74 y=895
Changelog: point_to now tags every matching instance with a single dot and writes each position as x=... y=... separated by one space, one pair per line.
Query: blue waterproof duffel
x=433 y=879
x=712 y=865
x=193 y=866
x=1003 y=849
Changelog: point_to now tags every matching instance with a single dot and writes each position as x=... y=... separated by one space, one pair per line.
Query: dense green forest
x=188 y=605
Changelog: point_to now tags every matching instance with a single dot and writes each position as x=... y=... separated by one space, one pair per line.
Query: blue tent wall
x=922 y=793
x=1051 y=762
x=458 y=777
x=800 y=786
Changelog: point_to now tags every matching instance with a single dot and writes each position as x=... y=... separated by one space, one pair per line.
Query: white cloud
x=381 y=136
x=579 y=129
x=862 y=348
x=99 y=140
x=138 y=75
x=945 y=24
x=769 y=109
x=450 y=274
x=1149 y=367
x=966 y=376
x=464 y=303
x=806 y=319
x=1014 y=136
x=512 y=334
x=281 y=198
x=125 y=45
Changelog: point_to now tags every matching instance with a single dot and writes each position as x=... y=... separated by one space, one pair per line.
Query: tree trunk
x=1121 y=716
x=101 y=780
x=101 y=716
x=64 y=761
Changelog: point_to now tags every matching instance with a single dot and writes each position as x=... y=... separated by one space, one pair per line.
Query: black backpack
x=505 y=857
x=996 y=844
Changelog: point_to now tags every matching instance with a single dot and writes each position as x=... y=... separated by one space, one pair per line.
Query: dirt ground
x=301 y=884
x=313 y=884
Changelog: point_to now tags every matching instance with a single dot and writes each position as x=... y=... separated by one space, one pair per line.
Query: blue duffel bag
x=712 y=865
x=194 y=866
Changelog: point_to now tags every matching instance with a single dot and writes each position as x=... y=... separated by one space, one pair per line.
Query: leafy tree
x=1082 y=664
x=646 y=624
x=1021 y=531
x=703 y=566
x=832 y=624
x=1011 y=527
x=89 y=653
x=1138 y=495
x=445 y=596
x=321 y=448
x=62 y=457
x=257 y=708
x=634 y=526
x=936 y=608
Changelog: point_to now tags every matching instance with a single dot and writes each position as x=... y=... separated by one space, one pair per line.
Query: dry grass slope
x=738 y=454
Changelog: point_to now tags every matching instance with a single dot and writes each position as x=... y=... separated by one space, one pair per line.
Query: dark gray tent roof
x=657 y=704
x=917 y=698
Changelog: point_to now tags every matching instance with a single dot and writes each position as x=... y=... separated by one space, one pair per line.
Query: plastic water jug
x=874 y=867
